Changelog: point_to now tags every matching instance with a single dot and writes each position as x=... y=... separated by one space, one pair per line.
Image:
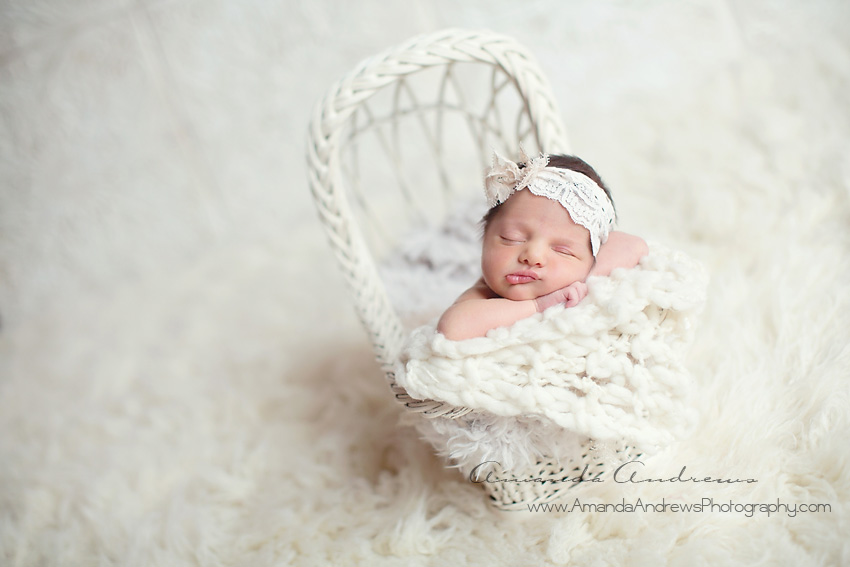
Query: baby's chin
x=525 y=292
x=520 y=292
x=519 y=296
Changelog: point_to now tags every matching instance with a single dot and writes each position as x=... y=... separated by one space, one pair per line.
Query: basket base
x=548 y=480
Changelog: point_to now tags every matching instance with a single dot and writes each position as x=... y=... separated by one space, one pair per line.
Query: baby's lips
x=521 y=277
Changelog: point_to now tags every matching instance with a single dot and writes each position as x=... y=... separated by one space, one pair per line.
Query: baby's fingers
x=575 y=293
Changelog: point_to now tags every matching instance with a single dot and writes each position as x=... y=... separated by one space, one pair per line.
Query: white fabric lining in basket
x=434 y=266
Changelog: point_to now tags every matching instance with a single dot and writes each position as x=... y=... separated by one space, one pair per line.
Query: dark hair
x=563 y=162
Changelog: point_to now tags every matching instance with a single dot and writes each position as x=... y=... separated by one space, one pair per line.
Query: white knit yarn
x=609 y=369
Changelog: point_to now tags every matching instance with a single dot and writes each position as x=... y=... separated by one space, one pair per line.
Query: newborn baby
x=548 y=228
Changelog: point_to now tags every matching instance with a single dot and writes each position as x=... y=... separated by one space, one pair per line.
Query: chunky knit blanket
x=610 y=369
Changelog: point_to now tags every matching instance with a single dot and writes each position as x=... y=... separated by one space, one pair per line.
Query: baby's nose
x=532 y=255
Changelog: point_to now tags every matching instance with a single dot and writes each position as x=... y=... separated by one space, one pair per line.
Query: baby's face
x=532 y=247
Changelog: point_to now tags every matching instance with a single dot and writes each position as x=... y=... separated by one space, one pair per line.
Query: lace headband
x=584 y=200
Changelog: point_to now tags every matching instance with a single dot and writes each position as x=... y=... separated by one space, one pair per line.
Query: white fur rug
x=226 y=410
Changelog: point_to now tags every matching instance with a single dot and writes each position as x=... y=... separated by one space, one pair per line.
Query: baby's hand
x=570 y=296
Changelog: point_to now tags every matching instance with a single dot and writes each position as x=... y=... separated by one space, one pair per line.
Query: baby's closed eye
x=512 y=238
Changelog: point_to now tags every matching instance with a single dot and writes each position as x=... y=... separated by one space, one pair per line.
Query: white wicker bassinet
x=393 y=146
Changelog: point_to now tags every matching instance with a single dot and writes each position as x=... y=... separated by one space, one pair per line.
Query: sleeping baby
x=548 y=228
x=548 y=384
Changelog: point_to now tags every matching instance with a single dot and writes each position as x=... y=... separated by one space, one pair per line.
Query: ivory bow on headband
x=584 y=200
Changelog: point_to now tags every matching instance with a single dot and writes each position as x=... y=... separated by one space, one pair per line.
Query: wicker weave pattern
x=331 y=131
